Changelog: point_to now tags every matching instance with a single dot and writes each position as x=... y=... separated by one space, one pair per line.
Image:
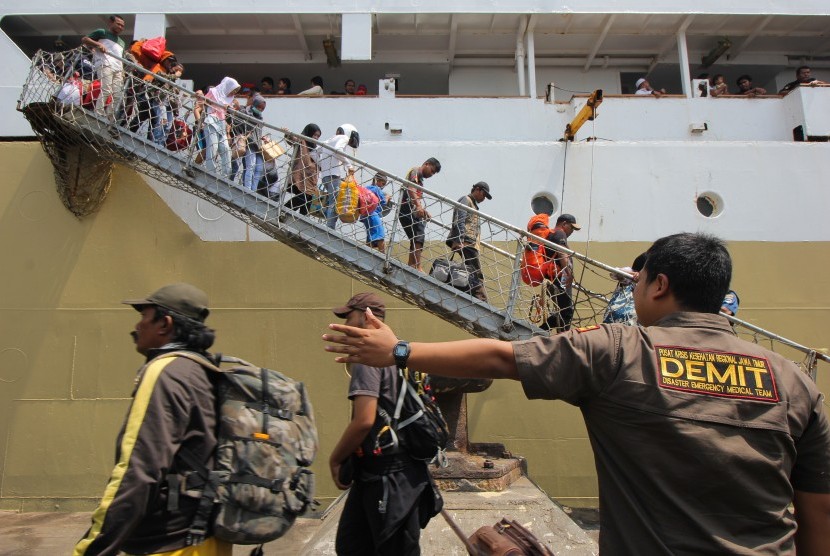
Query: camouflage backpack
x=267 y=439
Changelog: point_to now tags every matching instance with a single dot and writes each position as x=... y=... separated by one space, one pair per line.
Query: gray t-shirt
x=376 y=382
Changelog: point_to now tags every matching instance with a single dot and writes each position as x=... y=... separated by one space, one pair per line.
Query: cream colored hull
x=67 y=364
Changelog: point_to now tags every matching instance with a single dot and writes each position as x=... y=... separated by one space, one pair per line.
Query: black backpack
x=416 y=425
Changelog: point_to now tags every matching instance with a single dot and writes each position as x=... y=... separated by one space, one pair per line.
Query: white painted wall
x=628 y=118
x=503 y=81
x=619 y=191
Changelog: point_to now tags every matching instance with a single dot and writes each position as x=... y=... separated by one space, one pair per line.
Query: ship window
x=544 y=203
x=709 y=204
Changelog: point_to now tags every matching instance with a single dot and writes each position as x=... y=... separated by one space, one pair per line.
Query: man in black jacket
x=143 y=511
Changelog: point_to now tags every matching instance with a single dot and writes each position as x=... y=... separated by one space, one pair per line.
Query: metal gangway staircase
x=159 y=129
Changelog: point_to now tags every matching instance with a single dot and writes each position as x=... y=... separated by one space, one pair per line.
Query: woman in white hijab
x=218 y=152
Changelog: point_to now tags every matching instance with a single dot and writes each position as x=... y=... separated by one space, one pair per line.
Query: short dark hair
x=434 y=163
x=799 y=68
x=269 y=80
x=742 y=77
x=349 y=81
x=286 y=81
x=638 y=263
x=193 y=334
x=113 y=17
x=698 y=267
x=317 y=80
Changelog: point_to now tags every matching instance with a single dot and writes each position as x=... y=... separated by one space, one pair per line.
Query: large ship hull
x=68 y=365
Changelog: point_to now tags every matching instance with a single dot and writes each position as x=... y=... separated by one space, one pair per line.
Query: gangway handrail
x=310 y=236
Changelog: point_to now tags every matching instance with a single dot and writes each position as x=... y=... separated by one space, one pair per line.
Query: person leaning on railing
x=107 y=48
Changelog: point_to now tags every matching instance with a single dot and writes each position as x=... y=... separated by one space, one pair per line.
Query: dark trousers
x=300 y=202
x=469 y=255
x=361 y=524
x=560 y=320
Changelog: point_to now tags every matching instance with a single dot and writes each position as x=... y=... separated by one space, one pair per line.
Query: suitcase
x=505 y=538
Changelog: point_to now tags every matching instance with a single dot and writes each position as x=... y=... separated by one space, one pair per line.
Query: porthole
x=709 y=204
x=544 y=203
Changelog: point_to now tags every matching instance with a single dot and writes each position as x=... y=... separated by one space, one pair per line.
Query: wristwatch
x=401 y=354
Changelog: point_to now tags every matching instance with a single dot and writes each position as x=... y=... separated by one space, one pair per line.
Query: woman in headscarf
x=217 y=150
x=304 y=171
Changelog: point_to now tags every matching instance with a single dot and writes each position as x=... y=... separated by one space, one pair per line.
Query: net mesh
x=471 y=265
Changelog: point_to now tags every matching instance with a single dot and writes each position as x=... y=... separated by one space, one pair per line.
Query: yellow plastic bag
x=346 y=202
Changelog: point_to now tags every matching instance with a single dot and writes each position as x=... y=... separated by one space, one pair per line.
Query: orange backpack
x=535 y=266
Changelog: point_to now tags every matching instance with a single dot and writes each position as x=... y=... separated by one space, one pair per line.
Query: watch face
x=401 y=350
x=401 y=353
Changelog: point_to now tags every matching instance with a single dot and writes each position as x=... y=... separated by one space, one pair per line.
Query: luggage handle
x=472 y=550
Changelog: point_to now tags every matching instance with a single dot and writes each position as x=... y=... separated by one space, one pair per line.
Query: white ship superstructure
x=489 y=92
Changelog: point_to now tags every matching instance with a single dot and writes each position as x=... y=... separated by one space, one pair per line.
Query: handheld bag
x=179 y=136
x=239 y=144
x=367 y=201
x=347 y=199
x=507 y=537
x=450 y=272
x=154 y=48
x=266 y=442
x=271 y=150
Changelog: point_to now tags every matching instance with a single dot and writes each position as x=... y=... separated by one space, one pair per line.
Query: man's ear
x=166 y=325
x=662 y=286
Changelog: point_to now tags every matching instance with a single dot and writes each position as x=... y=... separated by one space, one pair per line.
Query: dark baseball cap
x=570 y=218
x=360 y=302
x=181 y=298
x=484 y=187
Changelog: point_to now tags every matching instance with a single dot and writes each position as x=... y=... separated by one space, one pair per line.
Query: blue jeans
x=330 y=186
x=217 y=150
x=254 y=168
x=158 y=113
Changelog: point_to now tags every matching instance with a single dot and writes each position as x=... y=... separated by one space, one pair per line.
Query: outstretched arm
x=480 y=358
x=812 y=512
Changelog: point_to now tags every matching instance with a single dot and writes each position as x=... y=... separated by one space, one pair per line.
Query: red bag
x=367 y=201
x=154 y=48
x=89 y=98
x=179 y=136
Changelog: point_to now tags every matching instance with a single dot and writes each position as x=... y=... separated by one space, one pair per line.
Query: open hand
x=370 y=346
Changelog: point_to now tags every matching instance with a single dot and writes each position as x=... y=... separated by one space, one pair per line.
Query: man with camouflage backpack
x=207 y=456
x=392 y=495
x=173 y=407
